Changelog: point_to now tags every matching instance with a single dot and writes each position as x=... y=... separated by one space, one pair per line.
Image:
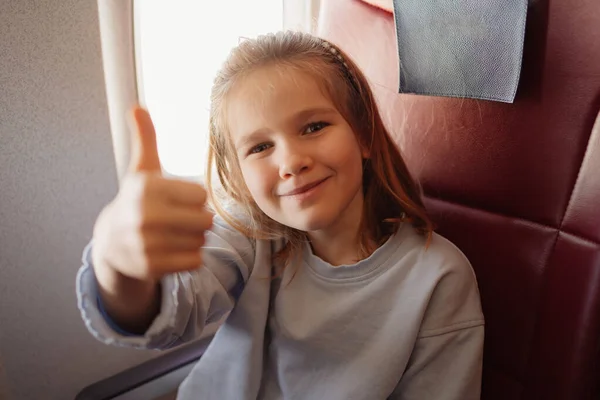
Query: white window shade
x=180 y=45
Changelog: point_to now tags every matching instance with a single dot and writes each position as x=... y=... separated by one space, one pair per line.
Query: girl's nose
x=293 y=164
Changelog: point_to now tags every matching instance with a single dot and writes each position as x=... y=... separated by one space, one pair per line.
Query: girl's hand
x=155 y=225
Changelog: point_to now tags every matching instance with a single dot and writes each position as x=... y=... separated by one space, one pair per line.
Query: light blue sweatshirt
x=405 y=323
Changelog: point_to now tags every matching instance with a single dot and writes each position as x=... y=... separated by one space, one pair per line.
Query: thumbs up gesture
x=155 y=225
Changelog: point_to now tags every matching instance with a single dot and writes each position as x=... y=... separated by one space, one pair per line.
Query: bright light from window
x=180 y=45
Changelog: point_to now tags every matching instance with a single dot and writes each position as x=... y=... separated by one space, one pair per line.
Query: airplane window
x=180 y=45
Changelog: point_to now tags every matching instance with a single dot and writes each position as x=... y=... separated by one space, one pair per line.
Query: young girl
x=322 y=252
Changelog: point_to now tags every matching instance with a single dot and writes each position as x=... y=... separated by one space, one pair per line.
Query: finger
x=183 y=193
x=167 y=241
x=179 y=219
x=165 y=263
x=144 y=150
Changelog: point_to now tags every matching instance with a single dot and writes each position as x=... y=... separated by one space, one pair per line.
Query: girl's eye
x=315 y=127
x=260 y=148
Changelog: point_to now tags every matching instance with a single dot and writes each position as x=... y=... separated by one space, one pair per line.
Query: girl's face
x=299 y=157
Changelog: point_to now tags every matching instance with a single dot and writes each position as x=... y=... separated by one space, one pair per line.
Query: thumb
x=144 y=150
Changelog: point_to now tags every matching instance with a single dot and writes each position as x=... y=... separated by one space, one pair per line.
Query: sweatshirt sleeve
x=446 y=361
x=446 y=366
x=189 y=301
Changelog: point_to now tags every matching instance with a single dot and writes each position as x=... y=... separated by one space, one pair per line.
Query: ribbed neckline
x=379 y=259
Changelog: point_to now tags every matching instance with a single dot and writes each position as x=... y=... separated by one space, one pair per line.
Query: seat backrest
x=515 y=186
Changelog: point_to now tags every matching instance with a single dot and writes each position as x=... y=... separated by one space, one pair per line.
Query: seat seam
x=520 y=219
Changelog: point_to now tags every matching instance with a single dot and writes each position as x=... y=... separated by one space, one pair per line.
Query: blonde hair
x=391 y=196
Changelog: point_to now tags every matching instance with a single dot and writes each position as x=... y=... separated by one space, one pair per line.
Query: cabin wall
x=56 y=172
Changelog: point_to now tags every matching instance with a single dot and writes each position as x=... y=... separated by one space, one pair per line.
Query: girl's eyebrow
x=247 y=139
x=294 y=119
x=309 y=112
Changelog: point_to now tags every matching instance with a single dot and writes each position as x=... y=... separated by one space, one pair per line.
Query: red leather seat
x=515 y=186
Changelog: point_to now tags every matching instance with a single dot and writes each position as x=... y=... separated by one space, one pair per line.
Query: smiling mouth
x=304 y=188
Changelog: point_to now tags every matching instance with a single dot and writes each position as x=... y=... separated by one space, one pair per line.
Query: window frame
x=118 y=61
